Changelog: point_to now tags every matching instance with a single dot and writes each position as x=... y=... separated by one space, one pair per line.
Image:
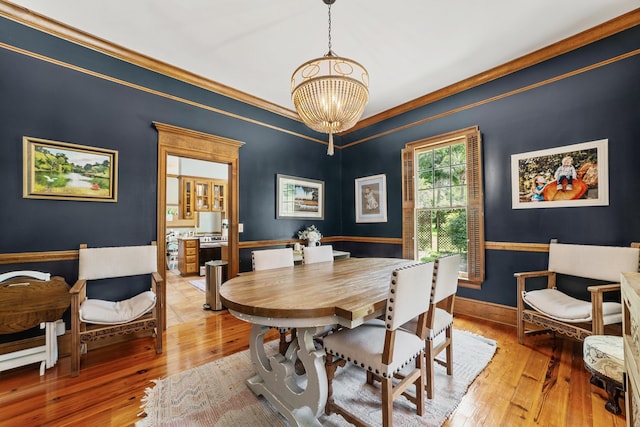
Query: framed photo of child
x=371 y=199
x=569 y=176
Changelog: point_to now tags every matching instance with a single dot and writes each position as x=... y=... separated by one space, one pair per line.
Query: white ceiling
x=410 y=47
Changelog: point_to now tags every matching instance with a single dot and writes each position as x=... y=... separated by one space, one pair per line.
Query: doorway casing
x=181 y=142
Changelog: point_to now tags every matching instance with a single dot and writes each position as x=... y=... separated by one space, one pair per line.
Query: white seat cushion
x=116 y=312
x=563 y=307
x=605 y=354
x=363 y=346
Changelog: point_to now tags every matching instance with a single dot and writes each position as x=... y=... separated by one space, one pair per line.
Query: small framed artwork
x=299 y=197
x=63 y=171
x=371 y=199
x=569 y=176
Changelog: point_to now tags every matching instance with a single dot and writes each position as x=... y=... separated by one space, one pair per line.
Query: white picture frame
x=534 y=184
x=299 y=197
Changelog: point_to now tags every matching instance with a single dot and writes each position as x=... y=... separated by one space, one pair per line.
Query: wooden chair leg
x=520 y=321
x=420 y=384
x=158 y=339
x=282 y=347
x=449 y=351
x=75 y=362
x=429 y=368
x=387 y=402
x=331 y=366
x=370 y=377
x=75 y=347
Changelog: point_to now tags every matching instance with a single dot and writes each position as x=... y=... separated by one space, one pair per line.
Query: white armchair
x=96 y=319
x=556 y=311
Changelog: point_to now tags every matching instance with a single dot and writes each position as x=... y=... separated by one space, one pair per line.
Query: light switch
x=240 y=228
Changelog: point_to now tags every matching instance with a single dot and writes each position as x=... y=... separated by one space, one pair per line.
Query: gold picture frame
x=64 y=171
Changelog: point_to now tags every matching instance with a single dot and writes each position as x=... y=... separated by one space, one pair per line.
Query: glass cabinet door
x=202 y=196
x=186 y=199
x=219 y=197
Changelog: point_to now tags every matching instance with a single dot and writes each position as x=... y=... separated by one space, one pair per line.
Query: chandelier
x=330 y=93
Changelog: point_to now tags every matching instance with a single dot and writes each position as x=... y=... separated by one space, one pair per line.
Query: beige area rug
x=215 y=394
x=200 y=284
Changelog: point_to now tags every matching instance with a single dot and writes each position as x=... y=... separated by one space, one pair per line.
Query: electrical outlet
x=240 y=228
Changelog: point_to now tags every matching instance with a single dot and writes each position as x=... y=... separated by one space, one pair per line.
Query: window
x=442 y=201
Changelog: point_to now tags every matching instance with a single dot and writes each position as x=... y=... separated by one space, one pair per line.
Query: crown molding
x=47 y=25
x=606 y=29
x=42 y=23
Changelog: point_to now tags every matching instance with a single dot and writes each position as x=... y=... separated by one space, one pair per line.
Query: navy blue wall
x=602 y=103
x=46 y=100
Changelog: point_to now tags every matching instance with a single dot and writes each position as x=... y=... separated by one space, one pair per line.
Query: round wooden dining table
x=309 y=298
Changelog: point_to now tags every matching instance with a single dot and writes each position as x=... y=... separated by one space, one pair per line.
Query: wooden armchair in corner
x=556 y=311
x=96 y=319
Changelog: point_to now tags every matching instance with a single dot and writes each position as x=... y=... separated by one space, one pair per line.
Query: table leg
x=299 y=402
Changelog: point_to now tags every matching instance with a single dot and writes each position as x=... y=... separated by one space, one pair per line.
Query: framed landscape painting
x=299 y=197
x=63 y=171
x=371 y=199
x=569 y=176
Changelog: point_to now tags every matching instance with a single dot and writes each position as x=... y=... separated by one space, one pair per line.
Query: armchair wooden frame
x=591 y=262
x=82 y=333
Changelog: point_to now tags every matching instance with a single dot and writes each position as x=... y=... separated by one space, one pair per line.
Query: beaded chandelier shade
x=330 y=93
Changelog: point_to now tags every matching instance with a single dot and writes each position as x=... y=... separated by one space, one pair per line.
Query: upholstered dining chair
x=313 y=254
x=268 y=259
x=95 y=319
x=385 y=351
x=439 y=326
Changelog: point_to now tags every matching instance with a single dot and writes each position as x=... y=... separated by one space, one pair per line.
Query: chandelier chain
x=329 y=27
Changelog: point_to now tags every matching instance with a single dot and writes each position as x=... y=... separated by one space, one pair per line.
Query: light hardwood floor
x=184 y=301
x=541 y=384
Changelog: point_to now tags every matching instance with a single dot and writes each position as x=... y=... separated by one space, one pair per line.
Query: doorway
x=196 y=210
x=186 y=143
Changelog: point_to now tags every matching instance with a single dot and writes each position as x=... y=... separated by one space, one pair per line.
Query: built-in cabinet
x=188 y=262
x=630 y=284
x=202 y=195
